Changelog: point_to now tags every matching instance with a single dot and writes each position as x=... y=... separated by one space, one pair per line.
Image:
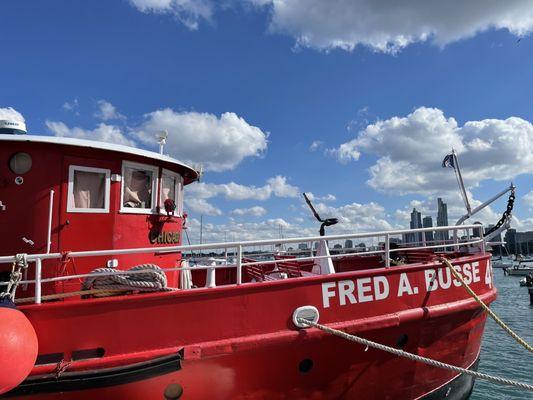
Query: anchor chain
x=506 y=214
x=20 y=265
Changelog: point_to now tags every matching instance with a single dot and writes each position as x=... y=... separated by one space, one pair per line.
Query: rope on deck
x=485 y=307
x=415 y=357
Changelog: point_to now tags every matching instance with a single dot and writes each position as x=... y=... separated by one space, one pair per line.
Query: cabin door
x=88 y=205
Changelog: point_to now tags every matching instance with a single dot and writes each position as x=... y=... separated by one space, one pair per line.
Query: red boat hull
x=238 y=342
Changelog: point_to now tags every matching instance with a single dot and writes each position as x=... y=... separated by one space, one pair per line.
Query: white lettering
x=431 y=281
x=488 y=274
x=346 y=289
x=475 y=272
x=327 y=293
x=404 y=286
x=445 y=284
x=381 y=282
x=467 y=273
x=363 y=287
x=456 y=282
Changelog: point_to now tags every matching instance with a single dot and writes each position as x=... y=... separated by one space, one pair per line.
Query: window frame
x=71 y=208
x=178 y=192
x=155 y=191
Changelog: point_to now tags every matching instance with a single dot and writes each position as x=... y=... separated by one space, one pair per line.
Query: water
x=500 y=354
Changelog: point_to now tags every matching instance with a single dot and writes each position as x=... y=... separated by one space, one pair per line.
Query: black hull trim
x=69 y=381
x=460 y=388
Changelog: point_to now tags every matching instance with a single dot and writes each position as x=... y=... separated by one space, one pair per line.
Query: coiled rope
x=415 y=357
x=19 y=266
x=152 y=279
x=485 y=307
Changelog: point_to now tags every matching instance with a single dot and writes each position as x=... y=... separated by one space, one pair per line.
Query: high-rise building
x=348 y=244
x=416 y=222
x=427 y=222
x=442 y=220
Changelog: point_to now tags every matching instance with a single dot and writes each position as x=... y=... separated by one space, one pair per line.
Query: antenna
x=325 y=222
x=162 y=139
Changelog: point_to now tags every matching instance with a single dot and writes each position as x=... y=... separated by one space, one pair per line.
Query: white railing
x=455 y=243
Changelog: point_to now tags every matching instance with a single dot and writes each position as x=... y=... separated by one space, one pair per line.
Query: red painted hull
x=238 y=342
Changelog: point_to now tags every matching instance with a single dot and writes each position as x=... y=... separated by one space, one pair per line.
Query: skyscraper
x=427 y=222
x=442 y=219
x=510 y=240
x=416 y=222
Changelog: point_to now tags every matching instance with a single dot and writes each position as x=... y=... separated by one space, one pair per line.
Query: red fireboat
x=101 y=301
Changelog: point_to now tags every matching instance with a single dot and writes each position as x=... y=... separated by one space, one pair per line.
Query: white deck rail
x=467 y=241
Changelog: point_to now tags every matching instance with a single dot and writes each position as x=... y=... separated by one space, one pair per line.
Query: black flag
x=448 y=161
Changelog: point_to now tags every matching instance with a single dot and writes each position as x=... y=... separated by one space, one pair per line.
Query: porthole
x=20 y=163
x=305 y=365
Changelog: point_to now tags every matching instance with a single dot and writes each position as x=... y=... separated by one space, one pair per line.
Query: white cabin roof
x=95 y=145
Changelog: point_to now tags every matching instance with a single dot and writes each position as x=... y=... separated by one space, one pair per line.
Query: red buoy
x=18 y=346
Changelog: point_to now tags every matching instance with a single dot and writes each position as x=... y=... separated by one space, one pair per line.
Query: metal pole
x=50 y=214
x=387 y=251
x=38 y=269
x=239 y=264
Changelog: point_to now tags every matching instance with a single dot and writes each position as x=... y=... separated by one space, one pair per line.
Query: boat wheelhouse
x=75 y=213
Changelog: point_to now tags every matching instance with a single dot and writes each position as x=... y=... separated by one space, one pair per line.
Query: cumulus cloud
x=528 y=199
x=219 y=143
x=328 y=197
x=355 y=217
x=11 y=114
x=409 y=151
x=256 y=211
x=276 y=186
x=103 y=133
x=201 y=206
x=389 y=25
x=107 y=111
x=188 y=12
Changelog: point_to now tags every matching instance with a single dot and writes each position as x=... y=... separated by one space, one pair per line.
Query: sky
x=356 y=102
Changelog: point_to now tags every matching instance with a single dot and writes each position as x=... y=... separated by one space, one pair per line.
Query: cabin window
x=139 y=186
x=88 y=189
x=171 y=188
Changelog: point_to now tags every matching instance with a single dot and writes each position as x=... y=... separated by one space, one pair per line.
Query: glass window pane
x=137 y=188
x=89 y=189
x=168 y=188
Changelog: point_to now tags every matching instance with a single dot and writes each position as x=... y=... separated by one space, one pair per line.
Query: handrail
x=239 y=264
x=221 y=245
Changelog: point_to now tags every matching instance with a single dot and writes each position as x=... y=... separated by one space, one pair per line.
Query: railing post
x=50 y=215
x=38 y=269
x=239 y=264
x=387 y=251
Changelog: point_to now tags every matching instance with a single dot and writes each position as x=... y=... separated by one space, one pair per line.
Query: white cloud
x=328 y=197
x=201 y=206
x=103 y=133
x=528 y=199
x=390 y=25
x=256 y=211
x=219 y=143
x=355 y=217
x=409 y=151
x=317 y=144
x=276 y=186
x=107 y=111
x=188 y=12
x=71 y=106
x=11 y=114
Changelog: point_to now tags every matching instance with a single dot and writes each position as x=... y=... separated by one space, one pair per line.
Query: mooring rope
x=415 y=357
x=485 y=307
x=152 y=279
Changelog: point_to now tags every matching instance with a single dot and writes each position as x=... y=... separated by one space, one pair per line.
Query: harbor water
x=500 y=354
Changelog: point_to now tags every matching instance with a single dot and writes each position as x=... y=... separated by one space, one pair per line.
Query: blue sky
x=398 y=98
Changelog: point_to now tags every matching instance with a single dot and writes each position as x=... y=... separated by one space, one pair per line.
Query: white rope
x=20 y=264
x=152 y=279
x=414 y=357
